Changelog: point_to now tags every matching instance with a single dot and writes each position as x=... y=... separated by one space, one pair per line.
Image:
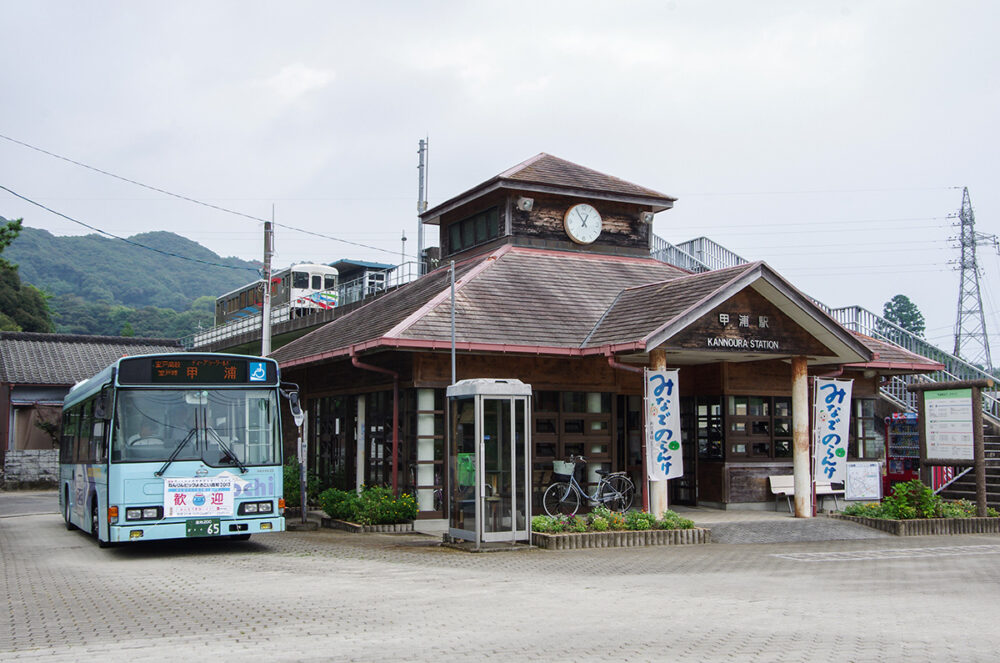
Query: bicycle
x=614 y=490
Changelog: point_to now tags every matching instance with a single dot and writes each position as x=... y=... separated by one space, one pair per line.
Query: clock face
x=583 y=223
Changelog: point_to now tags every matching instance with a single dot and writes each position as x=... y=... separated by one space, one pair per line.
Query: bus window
x=329 y=281
x=83 y=437
x=317 y=282
x=68 y=442
x=300 y=280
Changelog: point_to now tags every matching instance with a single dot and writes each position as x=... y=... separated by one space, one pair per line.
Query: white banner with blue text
x=832 y=428
x=663 y=426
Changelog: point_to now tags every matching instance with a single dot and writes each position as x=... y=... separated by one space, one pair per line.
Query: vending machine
x=902 y=449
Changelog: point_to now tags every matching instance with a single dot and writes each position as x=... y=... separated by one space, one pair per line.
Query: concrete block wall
x=31 y=468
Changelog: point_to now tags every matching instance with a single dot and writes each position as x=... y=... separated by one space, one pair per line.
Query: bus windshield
x=219 y=427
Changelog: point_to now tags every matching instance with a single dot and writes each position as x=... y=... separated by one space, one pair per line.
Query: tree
x=904 y=313
x=22 y=307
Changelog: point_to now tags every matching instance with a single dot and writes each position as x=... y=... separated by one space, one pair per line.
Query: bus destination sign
x=199 y=371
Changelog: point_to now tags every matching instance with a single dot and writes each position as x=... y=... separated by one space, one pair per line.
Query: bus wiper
x=175 y=452
x=229 y=452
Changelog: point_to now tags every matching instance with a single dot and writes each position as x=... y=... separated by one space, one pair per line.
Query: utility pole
x=402 y=251
x=265 y=329
x=421 y=203
x=971 y=341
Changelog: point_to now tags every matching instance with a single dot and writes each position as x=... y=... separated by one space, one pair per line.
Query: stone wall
x=31 y=468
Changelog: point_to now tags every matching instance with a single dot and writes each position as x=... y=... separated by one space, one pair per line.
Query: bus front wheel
x=95 y=527
x=66 y=516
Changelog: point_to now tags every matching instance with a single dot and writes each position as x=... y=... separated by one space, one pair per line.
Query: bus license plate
x=203 y=527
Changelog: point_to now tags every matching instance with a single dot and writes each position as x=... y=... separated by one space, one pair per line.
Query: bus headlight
x=144 y=513
x=254 y=508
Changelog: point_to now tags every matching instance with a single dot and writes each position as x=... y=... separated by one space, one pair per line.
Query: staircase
x=964 y=487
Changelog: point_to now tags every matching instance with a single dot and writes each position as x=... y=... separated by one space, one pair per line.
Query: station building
x=555 y=286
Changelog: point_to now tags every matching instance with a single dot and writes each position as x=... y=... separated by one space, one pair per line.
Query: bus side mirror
x=291 y=392
x=101 y=405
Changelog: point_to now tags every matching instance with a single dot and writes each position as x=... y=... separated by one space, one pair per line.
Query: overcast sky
x=830 y=139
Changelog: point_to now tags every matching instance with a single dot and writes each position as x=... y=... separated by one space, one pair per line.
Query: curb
x=926 y=526
x=621 y=539
x=333 y=523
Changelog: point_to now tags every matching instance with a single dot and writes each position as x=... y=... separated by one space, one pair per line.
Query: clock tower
x=548 y=202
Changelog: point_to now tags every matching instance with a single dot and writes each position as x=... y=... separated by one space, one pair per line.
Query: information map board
x=948 y=424
x=864 y=482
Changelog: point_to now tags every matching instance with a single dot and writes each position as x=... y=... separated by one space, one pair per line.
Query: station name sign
x=742 y=343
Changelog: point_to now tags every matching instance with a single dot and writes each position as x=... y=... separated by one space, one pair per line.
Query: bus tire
x=95 y=527
x=69 y=525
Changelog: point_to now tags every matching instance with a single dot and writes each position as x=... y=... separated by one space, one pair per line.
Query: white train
x=305 y=287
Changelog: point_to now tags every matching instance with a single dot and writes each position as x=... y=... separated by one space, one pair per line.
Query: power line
x=127 y=241
x=188 y=198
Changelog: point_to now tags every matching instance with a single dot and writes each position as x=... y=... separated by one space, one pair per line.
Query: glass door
x=504 y=469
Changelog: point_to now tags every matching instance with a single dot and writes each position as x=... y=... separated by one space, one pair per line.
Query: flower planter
x=927 y=526
x=332 y=523
x=620 y=539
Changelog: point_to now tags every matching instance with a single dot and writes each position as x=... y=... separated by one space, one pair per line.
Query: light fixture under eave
x=525 y=204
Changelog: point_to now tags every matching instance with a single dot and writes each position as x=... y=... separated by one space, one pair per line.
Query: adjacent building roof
x=65 y=359
x=889 y=357
x=546 y=173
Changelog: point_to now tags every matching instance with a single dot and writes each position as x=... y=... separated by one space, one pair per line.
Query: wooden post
x=800 y=438
x=979 y=450
x=657 y=489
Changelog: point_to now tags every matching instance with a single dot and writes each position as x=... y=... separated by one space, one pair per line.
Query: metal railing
x=350 y=292
x=710 y=253
x=702 y=254
x=664 y=251
x=865 y=322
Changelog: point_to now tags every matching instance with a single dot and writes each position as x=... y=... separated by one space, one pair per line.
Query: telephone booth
x=489 y=461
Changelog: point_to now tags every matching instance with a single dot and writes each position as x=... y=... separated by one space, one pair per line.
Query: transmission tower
x=971 y=341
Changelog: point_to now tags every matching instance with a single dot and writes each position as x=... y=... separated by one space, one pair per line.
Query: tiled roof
x=547 y=169
x=641 y=310
x=886 y=354
x=64 y=359
x=532 y=297
x=553 y=173
x=516 y=296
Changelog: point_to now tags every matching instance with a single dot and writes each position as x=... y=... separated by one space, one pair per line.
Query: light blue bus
x=174 y=445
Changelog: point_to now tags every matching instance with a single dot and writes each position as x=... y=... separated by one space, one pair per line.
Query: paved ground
x=322 y=596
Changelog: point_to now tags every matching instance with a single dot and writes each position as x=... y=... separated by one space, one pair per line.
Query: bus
x=175 y=445
x=304 y=287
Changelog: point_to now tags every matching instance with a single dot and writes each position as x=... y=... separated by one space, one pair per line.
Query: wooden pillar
x=657 y=489
x=800 y=438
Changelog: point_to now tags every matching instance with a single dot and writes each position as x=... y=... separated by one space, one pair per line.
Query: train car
x=304 y=287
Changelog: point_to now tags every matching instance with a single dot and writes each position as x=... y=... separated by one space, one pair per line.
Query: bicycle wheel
x=561 y=499
x=617 y=494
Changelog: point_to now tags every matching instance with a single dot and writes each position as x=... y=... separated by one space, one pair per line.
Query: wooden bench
x=783 y=485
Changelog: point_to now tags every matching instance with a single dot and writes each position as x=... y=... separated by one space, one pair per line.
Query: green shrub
x=339 y=504
x=673 y=520
x=640 y=520
x=599 y=524
x=292 y=490
x=378 y=506
x=912 y=499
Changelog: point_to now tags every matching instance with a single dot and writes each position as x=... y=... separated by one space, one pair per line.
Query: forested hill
x=98 y=285
x=101 y=269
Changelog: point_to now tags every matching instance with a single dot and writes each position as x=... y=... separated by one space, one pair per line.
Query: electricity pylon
x=971 y=341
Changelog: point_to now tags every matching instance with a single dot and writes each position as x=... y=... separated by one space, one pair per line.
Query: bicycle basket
x=563 y=469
